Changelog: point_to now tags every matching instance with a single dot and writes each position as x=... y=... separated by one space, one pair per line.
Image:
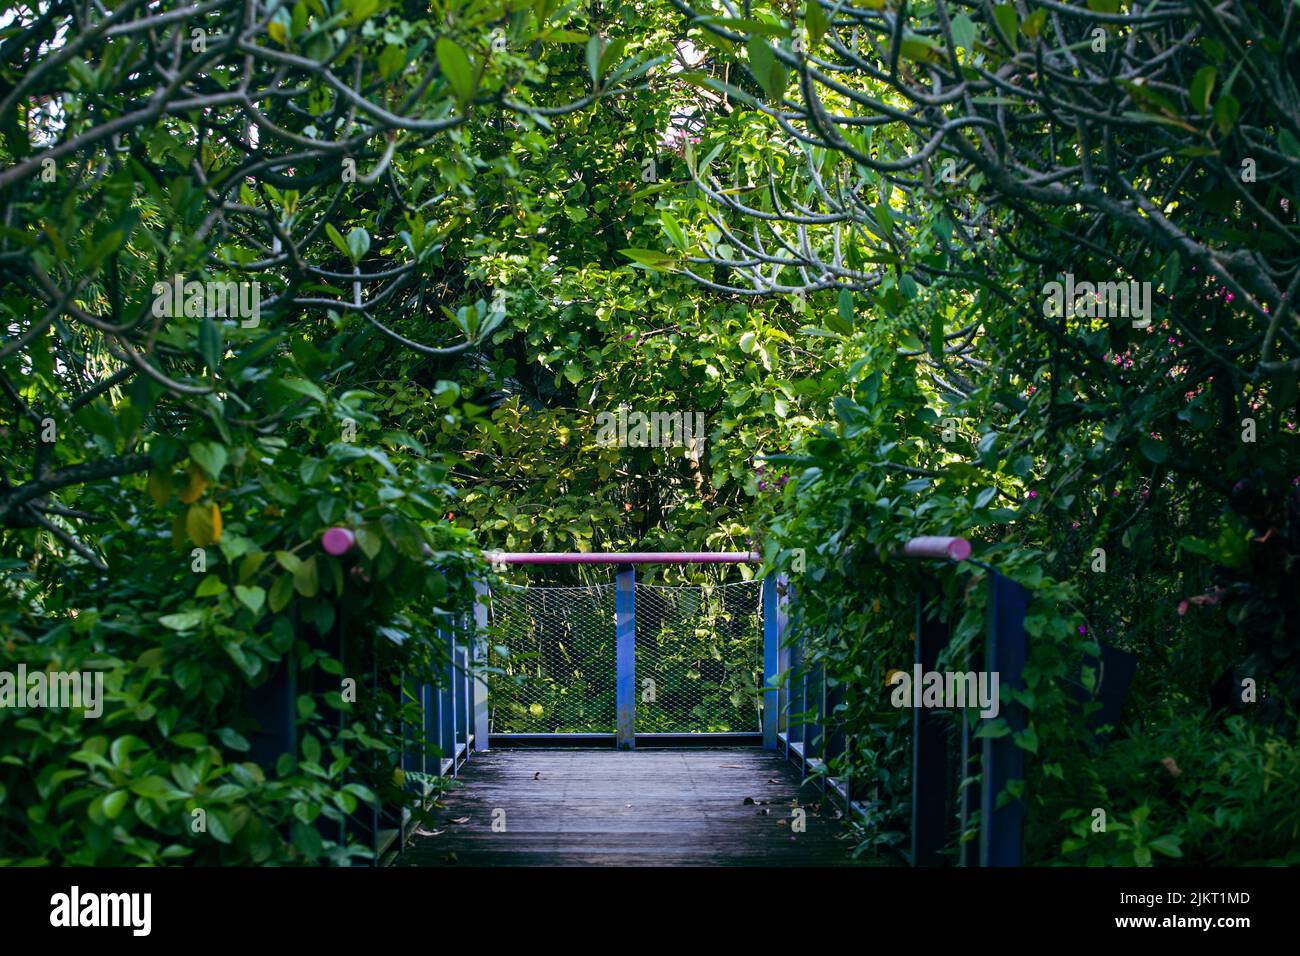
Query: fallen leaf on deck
x=461 y=820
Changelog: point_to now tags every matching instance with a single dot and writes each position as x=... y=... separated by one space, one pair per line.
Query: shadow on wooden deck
x=642 y=808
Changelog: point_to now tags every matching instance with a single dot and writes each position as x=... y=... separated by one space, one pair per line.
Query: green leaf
x=816 y=21
x=841 y=320
x=251 y=597
x=368 y=541
x=232 y=739
x=337 y=238
x=150 y=786
x=1226 y=111
x=281 y=593
x=1027 y=739
x=210 y=343
x=651 y=259
x=183 y=621
x=360 y=9
x=673 y=228
x=920 y=49
x=289 y=561
x=566 y=36
x=1033 y=24
x=1009 y=23
x=115 y=803
x=392 y=60
x=1201 y=88
x=936 y=335
x=1290 y=145
x=907 y=340
x=358 y=244
x=770 y=73
x=593 y=57
x=992 y=729
x=964 y=32
x=304 y=387
x=456 y=67
x=1168 y=845
x=210 y=586
x=306 y=580
x=209 y=456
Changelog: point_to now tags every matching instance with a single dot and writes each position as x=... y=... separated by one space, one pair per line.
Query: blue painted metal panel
x=428 y=696
x=625 y=658
x=929 y=749
x=771 y=664
x=1002 y=828
x=784 y=655
x=480 y=650
x=460 y=671
x=447 y=698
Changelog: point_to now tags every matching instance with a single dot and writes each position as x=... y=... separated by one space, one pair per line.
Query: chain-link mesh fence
x=557 y=672
x=699 y=658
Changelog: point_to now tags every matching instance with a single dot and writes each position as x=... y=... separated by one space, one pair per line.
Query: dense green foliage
x=475 y=227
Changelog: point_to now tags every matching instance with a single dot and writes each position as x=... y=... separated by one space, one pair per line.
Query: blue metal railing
x=805 y=729
x=625 y=736
x=797 y=714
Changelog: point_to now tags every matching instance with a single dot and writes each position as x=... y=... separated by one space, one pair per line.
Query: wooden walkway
x=643 y=808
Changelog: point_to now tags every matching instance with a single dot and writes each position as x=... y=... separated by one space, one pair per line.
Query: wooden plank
x=628 y=808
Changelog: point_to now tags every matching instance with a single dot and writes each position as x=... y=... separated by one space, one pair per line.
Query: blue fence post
x=1002 y=828
x=432 y=761
x=771 y=663
x=481 y=712
x=784 y=656
x=447 y=695
x=460 y=675
x=929 y=749
x=625 y=657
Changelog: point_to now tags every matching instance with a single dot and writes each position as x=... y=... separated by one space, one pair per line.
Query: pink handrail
x=945 y=548
x=951 y=549
x=627 y=557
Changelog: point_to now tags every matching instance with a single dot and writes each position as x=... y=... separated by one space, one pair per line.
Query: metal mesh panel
x=701 y=649
x=558 y=673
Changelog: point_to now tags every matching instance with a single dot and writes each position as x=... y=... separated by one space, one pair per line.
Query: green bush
x=183 y=650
